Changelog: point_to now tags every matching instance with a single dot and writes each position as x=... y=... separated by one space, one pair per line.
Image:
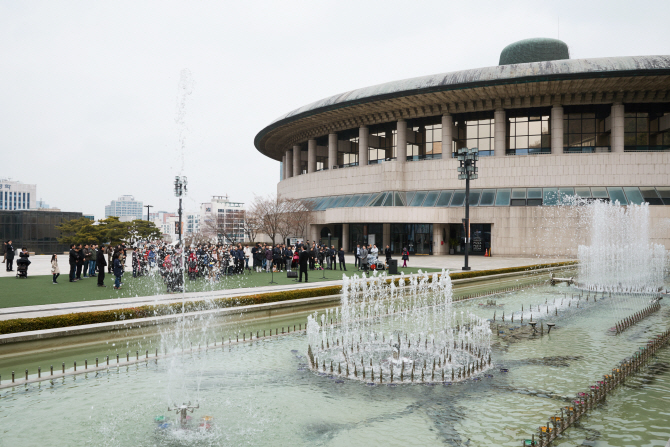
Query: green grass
x=38 y=290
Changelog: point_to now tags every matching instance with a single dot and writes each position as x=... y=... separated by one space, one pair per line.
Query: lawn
x=38 y=290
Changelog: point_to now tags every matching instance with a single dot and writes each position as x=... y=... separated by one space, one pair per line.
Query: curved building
x=378 y=162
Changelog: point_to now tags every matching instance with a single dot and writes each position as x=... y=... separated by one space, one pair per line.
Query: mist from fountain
x=621 y=256
x=384 y=332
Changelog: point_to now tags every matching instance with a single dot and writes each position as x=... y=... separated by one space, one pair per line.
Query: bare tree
x=299 y=215
x=223 y=228
x=267 y=212
x=252 y=226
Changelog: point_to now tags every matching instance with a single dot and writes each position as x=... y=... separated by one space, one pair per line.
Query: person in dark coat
x=118 y=271
x=9 y=249
x=389 y=254
x=80 y=260
x=340 y=255
x=302 y=262
x=101 y=263
x=73 y=263
x=405 y=256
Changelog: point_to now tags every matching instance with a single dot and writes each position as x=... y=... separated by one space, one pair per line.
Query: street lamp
x=148 y=207
x=179 y=190
x=467 y=171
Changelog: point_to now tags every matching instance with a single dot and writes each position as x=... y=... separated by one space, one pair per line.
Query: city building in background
x=223 y=220
x=90 y=217
x=379 y=163
x=35 y=229
x=126 y=208
x=15 y=195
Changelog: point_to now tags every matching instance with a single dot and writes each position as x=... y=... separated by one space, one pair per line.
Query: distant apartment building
x=125 y=208
x=15 y=195
x=223 y=220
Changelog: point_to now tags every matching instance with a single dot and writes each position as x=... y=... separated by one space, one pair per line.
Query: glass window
x=599 y=192
x=398 y=199
x=534 y=193
x=475 y=194
x=418 y=198
x=488 y=197
x=458 y=199
x=503 y=197
x=584 y=193
x=379 y=200
x=326 y=203
x=566 y=195
x=529 y=132
x=664 y=192
x=365 y=198
x=406 y=197
x=650 y=196
x=431 y=198
x=355 y=198
x=550 y=196
x=344 y=201
x=445 y=198
x=389 y=200
x=633 y=195
x=617 y=195
x=519 y=193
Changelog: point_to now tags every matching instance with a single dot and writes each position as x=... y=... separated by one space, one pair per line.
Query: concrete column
x=296 y=161
x=311 y=156
x=289 y=163
x=332 y=150
x=617 y=127
x=500 y=135
x=557 y=129
x=438 y=247
x=314 y=232
x=386 y=239
x=345 y=237
x=283 y=167
x=447 y=137
x=363 y=145
x=401 y=143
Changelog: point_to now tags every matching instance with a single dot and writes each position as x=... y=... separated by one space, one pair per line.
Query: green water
x=260 y=393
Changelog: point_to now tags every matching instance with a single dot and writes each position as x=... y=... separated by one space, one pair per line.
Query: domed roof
x=538 y=49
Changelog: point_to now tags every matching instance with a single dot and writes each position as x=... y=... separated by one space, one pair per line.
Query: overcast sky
x=89 y=90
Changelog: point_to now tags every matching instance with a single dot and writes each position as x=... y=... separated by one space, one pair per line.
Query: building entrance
x=480 y=237
x=417 y=238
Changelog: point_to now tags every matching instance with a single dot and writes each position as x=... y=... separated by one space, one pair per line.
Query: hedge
x=132 y=313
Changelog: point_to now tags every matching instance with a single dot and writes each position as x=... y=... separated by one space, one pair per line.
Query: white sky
x=88 y=89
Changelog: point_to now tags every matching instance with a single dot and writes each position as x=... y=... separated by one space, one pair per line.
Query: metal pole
x=180 y=222
x=467 y=215
x=148 y=207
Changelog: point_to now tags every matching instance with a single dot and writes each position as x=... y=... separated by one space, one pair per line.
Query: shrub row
x=132 y=313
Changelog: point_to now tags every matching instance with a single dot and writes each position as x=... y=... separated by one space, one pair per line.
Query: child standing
x=405 y=256
x=55 y=271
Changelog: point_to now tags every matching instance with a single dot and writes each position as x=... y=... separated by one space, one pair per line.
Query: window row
x=500 y=197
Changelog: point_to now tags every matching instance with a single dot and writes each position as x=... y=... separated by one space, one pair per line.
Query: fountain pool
x=262 y=392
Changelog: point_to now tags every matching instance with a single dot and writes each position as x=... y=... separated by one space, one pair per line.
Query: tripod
x=272 y=278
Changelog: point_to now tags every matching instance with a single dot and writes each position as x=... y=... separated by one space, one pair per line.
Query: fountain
x=398 y=333
x=621 y=257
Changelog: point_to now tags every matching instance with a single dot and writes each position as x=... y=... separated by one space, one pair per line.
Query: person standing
x=87 y=260
x=101 y=264
x=110 y=259
x=118 y=271
x=80 y=260
x=55 y=271
x=357 y=257
x=340 y=255
x=405 y=256
x=268 y=259
x=302 y=262
x=73 y=263
x=92 y=261
x=363 y=261
x=389 y=254
x=333 y=257
x=9 y=251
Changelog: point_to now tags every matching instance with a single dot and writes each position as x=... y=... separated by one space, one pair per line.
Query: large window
x=528 y=132
x=382 y=143
x=584 y=129
x=474 y=130
x=643 y=131
x=424 y=139
x=347 y=150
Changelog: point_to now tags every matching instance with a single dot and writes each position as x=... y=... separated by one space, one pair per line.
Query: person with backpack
x=405 y=256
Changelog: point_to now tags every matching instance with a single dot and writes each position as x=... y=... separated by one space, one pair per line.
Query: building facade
x=17 y=196
x=125 y=207
x=223 y=220
x=378 y=163
x=35 y=229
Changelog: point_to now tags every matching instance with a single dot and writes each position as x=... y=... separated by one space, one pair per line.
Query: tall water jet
x=621 y=257
x=397 y=333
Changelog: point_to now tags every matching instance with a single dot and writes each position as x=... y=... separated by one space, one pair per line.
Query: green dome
x=538 y=49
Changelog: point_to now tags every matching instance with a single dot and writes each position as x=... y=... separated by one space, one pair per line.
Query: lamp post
x=148 y=207
x=467 y=171
x=179 y=190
